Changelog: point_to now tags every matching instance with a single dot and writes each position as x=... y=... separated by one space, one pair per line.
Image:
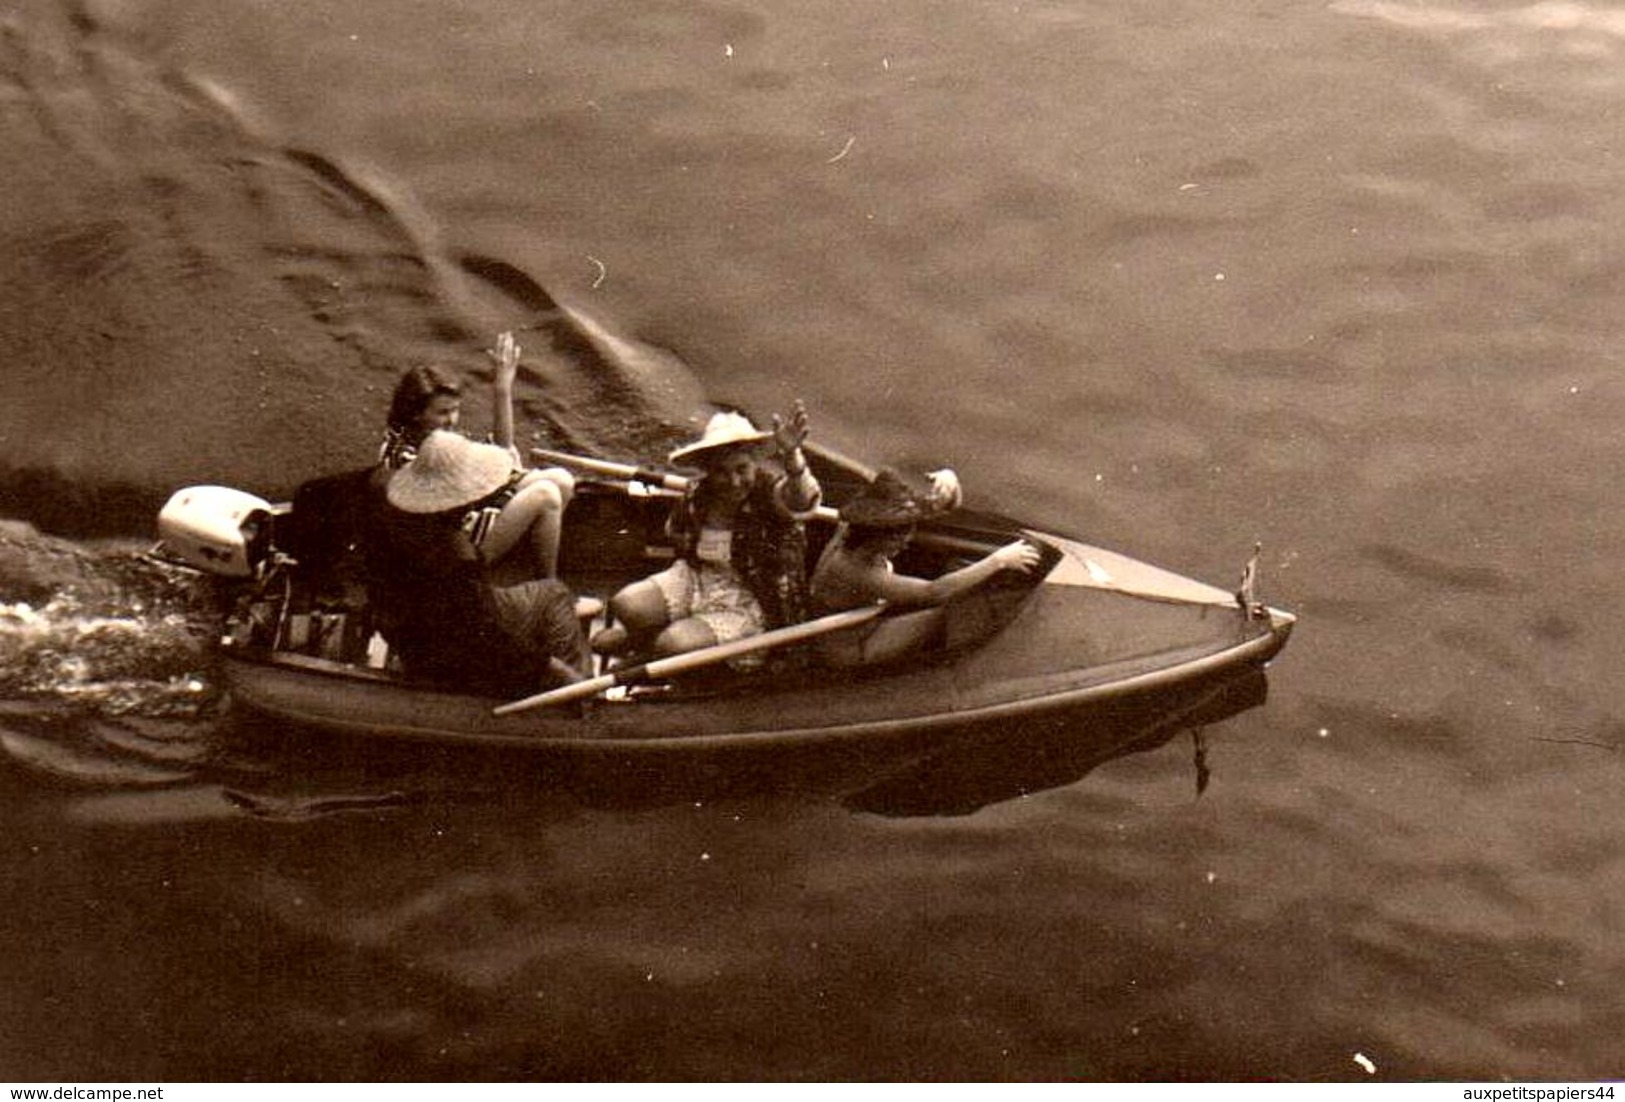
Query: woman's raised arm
x=506 y=355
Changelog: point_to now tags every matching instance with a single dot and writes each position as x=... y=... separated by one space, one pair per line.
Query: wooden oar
x=631 y=473
x=615 y=470
x=694 y=660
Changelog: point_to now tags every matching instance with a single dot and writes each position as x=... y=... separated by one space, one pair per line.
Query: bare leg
x=639 y=610
x=888 y=640
x=640 y=606
x=533 y=520
x=684 y=636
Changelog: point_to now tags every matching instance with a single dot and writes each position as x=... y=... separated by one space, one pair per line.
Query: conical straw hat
x=724 y=430
x=450 y=470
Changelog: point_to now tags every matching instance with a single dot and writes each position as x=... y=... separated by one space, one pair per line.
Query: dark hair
x=861 y=536
x=417 y=388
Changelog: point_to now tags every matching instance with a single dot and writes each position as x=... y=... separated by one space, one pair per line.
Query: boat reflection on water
x=922 y=774
x=1014 y=761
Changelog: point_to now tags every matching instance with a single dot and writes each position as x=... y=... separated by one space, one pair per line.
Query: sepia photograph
x=825 y=542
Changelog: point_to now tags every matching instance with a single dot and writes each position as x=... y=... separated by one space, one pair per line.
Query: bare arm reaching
x=506 y=355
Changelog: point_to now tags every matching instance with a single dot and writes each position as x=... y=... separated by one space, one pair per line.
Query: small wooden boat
x=1089 y=626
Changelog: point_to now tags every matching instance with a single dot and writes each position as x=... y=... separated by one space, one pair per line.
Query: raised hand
x=945 y=492
x=789 y=435
x=506 y=355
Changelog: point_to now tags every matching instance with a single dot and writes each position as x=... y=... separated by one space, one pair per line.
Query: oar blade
x=564 y=694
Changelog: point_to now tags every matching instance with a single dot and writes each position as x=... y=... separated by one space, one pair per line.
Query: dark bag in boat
x=326 y=531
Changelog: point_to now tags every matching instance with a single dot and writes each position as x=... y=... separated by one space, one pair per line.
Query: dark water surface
x=1340 y=277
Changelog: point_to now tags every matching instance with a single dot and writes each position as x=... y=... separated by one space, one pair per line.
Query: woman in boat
x=741 y=546
x=438 y=603
x=856 y=570
x=525 y=514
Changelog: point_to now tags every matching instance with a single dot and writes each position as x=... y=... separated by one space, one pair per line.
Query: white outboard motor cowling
x=216 y=529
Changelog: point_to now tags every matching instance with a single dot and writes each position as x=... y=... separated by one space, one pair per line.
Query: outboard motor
x=217 y=530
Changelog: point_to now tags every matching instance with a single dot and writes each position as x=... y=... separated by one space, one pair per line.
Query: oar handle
x=693 y=660
x=617 y=470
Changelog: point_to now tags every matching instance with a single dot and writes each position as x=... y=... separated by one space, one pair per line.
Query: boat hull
x=1097 y=634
